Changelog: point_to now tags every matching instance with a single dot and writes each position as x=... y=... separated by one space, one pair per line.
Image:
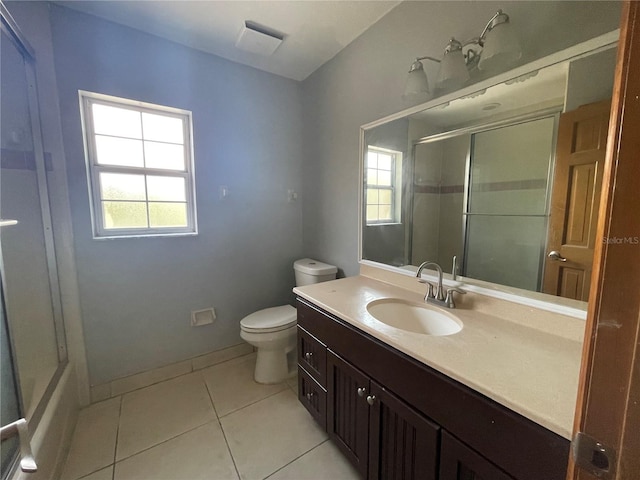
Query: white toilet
x=273 y=330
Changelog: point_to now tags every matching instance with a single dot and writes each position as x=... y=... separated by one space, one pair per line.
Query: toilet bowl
x=272 y=331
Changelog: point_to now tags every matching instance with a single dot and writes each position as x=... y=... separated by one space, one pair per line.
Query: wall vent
x=256 y=38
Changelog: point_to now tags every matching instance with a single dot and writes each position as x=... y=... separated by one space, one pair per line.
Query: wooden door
x=577 y=183
x=608 y=406
x=459 y=462
x=348 y=410
x=403 y=445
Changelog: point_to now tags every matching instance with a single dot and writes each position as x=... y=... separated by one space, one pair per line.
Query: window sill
x=383 y=224
x=145 y=235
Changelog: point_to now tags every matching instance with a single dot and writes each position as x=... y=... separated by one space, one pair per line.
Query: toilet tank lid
x=314 y=267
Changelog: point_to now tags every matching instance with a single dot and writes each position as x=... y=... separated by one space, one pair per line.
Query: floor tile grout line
x=295 y=459
x=224 y=435
x=254 y=402
x=162 y=442
x=115 y=449
x=115 y=446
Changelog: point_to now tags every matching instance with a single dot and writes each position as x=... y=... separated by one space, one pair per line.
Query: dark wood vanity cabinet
x=381 y=435
x=402 y=443
x=394 y=417
x=459 y=462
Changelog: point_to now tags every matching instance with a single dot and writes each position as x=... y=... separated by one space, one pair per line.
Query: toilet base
x=275 y=361
x=272 y=367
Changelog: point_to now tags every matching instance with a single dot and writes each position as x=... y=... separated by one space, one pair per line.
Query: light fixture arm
x=417 y=64
x=428 y=58
x=497 y=19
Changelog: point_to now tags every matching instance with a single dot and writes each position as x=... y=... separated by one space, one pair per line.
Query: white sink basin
x=413 y=317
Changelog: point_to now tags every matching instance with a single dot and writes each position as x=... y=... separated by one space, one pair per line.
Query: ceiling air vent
x=256 y=38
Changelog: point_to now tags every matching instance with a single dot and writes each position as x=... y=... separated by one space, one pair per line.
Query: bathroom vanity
x=398 y=409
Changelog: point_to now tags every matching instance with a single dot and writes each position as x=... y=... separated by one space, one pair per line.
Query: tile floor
x=213 y=424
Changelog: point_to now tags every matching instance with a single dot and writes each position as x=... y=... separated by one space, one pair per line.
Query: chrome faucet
x=438 y=297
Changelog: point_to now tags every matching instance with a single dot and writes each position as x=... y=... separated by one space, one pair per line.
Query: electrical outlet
x=292 y=195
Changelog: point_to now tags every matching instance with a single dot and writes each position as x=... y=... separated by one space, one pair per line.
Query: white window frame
x=395 y=187
x=87 y=99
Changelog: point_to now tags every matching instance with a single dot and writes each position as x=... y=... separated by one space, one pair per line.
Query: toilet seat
x=270 y=320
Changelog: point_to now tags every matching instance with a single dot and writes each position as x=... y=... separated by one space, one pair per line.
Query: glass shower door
x=9 y=402
x=33 y=345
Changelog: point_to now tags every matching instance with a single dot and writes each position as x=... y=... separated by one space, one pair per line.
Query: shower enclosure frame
x=10 y=28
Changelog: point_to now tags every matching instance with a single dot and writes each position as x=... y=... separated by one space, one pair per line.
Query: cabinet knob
x=309 y=396
x=361 y=391
x=371 y=399
x=308 y=356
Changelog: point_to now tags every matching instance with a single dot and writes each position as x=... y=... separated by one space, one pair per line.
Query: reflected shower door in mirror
x=483 y=197
x=479 y=180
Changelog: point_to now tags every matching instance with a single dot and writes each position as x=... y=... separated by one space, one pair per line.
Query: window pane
x=372 y=213
x=372 y=195
x=122 y=186
x=372 y=176
x=162 y=128
x=119 y=151
x=164 y=155
x=372 y=160
x=384 y=178
x=116 y=121
x=124 y=214
x=166 y=188
x=385 y=212
x=384 y=161
x=168 y=214
x=385 y=196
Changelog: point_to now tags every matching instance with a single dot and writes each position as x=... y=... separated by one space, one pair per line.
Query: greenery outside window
x=139 y=166
x=382 y=186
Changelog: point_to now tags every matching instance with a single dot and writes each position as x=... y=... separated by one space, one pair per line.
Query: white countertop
x=519 y=365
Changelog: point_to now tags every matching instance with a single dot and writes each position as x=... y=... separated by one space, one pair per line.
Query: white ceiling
x=315 y=31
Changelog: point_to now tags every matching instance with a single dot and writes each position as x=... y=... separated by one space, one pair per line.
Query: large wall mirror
x=505 y=178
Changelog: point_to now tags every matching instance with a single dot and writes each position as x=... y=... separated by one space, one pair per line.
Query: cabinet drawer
x=312 y=356
x=313 y=397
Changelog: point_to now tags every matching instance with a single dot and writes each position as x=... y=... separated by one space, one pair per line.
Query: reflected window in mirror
x=383 y=188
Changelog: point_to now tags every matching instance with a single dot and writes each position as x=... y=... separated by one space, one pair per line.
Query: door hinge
x=593 y=456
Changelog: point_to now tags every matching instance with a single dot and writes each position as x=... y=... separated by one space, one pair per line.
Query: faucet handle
x=430 y=287
x=449 y=300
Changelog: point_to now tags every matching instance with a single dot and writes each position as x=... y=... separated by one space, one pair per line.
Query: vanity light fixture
x=496 y=47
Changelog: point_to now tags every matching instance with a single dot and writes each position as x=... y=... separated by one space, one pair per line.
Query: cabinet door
x=403 y=445
x=313 y=397
x=459 y=462
x=348 y=411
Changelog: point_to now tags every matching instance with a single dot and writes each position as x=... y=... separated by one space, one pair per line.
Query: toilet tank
x=310 y=271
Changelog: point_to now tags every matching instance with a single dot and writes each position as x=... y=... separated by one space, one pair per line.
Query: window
x=382 y=186
x=140 y=167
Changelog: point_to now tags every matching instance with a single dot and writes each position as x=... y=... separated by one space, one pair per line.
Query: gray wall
x=365 y=81
x=137 y=294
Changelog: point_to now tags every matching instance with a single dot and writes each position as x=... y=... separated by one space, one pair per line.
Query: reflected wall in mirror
x=498 y=178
